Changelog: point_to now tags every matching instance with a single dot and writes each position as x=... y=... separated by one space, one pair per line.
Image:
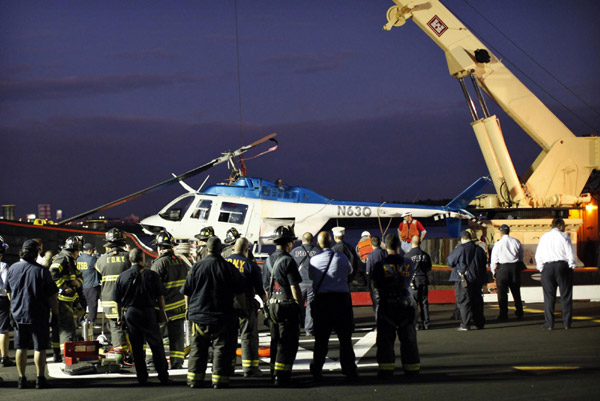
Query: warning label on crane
x=437 y=25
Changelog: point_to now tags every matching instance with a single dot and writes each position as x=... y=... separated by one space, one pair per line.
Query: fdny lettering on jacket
x=116 y=259
x=390 y=269
x=239 y=264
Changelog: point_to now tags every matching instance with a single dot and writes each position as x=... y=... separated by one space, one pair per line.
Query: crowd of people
x=220 y=290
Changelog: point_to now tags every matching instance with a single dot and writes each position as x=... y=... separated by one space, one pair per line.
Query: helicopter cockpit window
x=202 y=210
x=233 y=213
x=176 y=211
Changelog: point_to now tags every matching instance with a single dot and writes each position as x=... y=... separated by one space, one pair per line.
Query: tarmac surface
x=514 y=360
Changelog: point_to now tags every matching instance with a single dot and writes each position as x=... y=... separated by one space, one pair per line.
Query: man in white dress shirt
x=556 y=260
x=505 y=264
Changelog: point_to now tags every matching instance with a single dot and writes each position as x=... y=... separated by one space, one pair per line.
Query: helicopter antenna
x=239 y=81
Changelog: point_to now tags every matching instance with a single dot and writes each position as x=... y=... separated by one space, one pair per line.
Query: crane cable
x=540 y=66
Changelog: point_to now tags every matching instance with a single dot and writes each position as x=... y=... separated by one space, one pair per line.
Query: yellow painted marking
x=533 y=310
x=546 y=367
x=582 y=318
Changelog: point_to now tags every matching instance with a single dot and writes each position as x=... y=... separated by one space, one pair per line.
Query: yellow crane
x=559 y=173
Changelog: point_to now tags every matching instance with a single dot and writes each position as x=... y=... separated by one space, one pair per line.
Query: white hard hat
x=408 y=213
x=365 y=234
x=338 y=231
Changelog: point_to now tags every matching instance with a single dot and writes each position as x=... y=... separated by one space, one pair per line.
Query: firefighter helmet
x=232 y=235
x=205 y=233
x=73 y=244
x=284 y=234
x=114 y=235
x=164 y=240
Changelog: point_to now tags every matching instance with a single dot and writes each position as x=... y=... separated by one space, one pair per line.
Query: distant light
x=590 y=207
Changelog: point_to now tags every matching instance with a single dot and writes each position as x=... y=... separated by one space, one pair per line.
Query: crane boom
x=559 y=173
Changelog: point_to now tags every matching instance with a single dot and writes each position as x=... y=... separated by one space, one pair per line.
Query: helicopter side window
x=234 y=213
x=177 y=210
x=202 y=210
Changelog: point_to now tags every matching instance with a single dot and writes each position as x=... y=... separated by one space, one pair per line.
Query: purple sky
x=102 y=98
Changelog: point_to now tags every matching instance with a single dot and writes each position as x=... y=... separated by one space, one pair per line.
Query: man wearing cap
x=281 y=281
x=408 y=228
x=138 y=293
x=302 y=255
x=209 y=291
x=32 y=294
x=340 y=245
x=555 y=258
x=86 y=264
x=469 y=273
x=110 y=265
x=172 y=272
x=329 y=273
x=68 y=279
x=505 y=264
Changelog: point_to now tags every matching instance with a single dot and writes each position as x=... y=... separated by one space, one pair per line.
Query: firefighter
x=202 y=237
x=138 y=294
x=172 y=271
x=248 y=323
x=110 y=265
x=68 y=279
x=281 y=281
x=209 y=292
x=230 y=237
x=396 y=311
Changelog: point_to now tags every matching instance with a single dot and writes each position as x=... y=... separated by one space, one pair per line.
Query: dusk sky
x=99 y=99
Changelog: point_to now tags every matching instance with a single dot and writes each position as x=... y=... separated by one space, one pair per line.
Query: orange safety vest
x=364 y=249
x=408 y=230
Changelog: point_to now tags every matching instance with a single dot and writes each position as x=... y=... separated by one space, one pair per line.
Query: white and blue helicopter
x=255 y=206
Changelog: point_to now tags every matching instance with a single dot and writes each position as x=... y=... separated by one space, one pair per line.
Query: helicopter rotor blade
x=226 y=156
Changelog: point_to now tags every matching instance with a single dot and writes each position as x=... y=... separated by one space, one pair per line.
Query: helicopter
x=255 y=207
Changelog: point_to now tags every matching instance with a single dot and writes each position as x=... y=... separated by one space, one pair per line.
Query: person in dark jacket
x=209 y=291
x=137 y=294
x=252 y=276
x=32 y=293
x=86 y=264
x=281 y=281
x=469 y=273
x=419 y=286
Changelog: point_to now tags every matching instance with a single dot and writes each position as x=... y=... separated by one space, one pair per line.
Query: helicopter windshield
x=233 y=213
x=177 y=210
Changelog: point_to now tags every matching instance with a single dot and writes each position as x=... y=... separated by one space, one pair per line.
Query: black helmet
x=114 y=235
x=205 y=233
x=164 y=240
x=73 y=244
x=232 y=235
x=284 y=234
